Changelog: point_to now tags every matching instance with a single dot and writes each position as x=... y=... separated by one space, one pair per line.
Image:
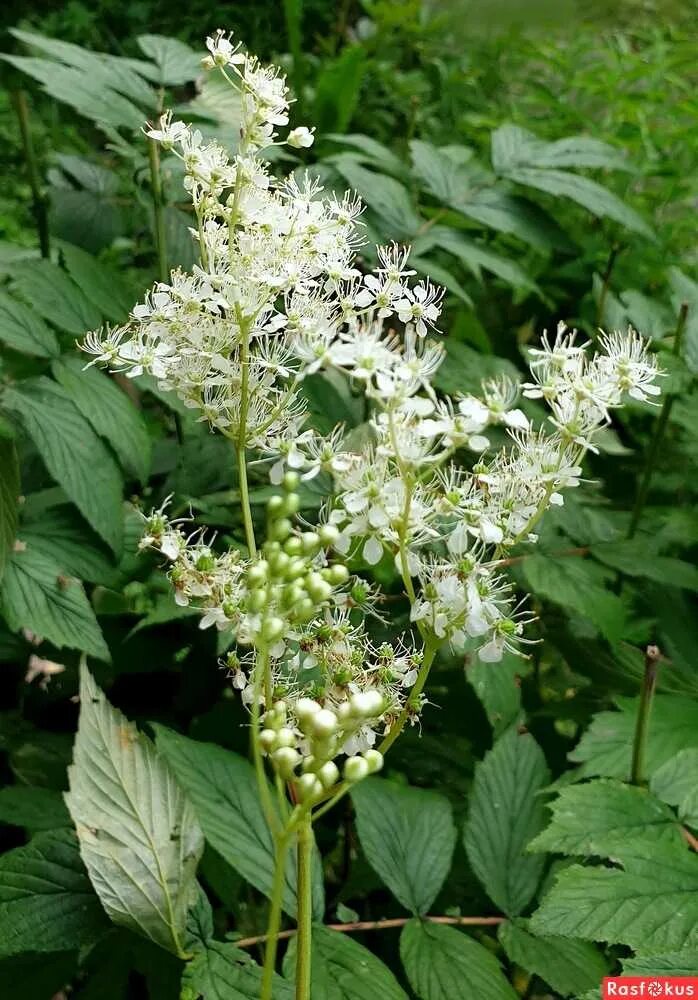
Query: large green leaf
x=445 y=964
x=337 y=89
x=569 y=967
x=102 y=285
x=605 y=748
x=474 y=256
x=52 y=293
x=35 y=809
x=631 y=557
x=46 y=901
x=342 y=969
x=223 y=790
x=385 y=196
x=650 y=904
x=464 y=368
x=499 y=690
x=223 y=972
x=505 y=813
x=176 y=62
x=9 y=497
x=112 y=414
x=61 y=536
x=74 y=455
x=676 y=782
x=23 y=330
x=676 y=963
x=600 y=817
x=408 y=837
x=35 y=595
x=514 y=147
x=139 y=837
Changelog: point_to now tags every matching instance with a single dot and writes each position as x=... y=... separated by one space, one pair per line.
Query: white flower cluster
x=276 y=297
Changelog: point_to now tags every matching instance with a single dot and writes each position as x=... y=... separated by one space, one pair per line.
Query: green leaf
x=606 y=747
x=600 y=817
x=223 y=790
x=139 y=838
x=441 y=275
x=342 y=969
x=516 y=147
x=585 y=192
x=383 y=195
x=35 y=809
x=224 y=972
x=505 y=813
x=567 y=966
x=24 y=331
x=110 y=411
x=577 y=585
x=677 y=963
x=337 y=89
x=176 y=62
x=676 y=782
x=631 y=557
x=499 y=689
x=408 y=837
x=509 y=213
x=61 y=536
x=474 y=256
x=465 y=368
x=9 y=497
x=683 y=289
x=372 y=152
x=445 y=964
x=36 y=596
x=100 y=284
x=76 y=458
x=51 y=292
x=650 y=904
x=90 y=215
x=46 y=901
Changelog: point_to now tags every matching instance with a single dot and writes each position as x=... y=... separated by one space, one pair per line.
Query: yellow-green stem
x=274 y=922
x=242 y=438
x=39 y=199
x=158 y=208
x=305 y=909
x=260 y=668
x=649 y=683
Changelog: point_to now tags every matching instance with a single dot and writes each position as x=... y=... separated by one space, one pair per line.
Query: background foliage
x=543 y=168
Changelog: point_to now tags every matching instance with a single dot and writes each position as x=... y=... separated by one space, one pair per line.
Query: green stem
x=274 y=923
x=658 y=437
x=305 y=909
x=430 y=650
x=39 y=200
x=606 y=280
x=649 y=683
x=260 y=668
x=158 y=208
x=242 y=439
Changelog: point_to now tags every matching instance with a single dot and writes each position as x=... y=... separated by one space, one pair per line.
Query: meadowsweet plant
x=279 y=294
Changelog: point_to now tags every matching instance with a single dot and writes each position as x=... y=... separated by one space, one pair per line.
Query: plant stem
x=240 y=448
x=274 y=923
x=659 y=432
x=649 y=683
x=606 y=279
x=158 y=206
x=359 y=926
x=39 y=200
x=305 y=908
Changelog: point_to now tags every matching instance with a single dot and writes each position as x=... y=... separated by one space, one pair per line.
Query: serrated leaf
x=36 y=596
x=176 y=62
x=385 y=196
x=221 y=971
x=578 y=585
x=375 y=153
x=650 y=904
x=9 y=498
x=408 y=837
x=474 y=256
x=509 y=213
x=445 y=964
x=676 y=782
x=585 y=192
x=567 y=966
x=35 y=809
x=499 y=689
x=112 y=414
x=223 y=790
x=342 y=969
x=23 y=330
x=60 y=535
x=516 y=147
x=605 y=748
x=139 y=837
x=76 y=458
x=100 y=284
x=631 y=557
x=46 y=900
x=505 y=813
x=50 y=291
x=676 y=963
x=600 y=817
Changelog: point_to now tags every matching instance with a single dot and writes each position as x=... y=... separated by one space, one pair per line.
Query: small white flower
x=301 y=137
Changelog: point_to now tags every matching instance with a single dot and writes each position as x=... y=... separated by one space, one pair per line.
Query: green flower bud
x=308 y=787
x=310 y=542
x=328 y=534
x=257 y=573
x=292 y=503
x=323 y=723
x=336 y=574
x=272 y=629
x=355 y=769
x=374 y=759
x=367 y=704
x=267 y=740
x=291 y=481
x=293 y=546
x=285 y=737
x=281 y=529
x=305 y=610
x=285 y=760
x=329 y=774
x=306 y=708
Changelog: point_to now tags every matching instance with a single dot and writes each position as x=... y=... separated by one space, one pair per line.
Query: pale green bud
x=355 y=769
x=267 y=739
x=329 y=774
x=367 y=704
x=291 y=481
x=272 y=629
x=374 y=759
x=308 y=787
x=285 y=760
x=323 y=723
x=306 y=708
x=281 y=529
x=328 y=534
x=285 y=738
x=311 y=542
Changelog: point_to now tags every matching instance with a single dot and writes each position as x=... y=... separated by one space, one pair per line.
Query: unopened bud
x=336 y=575
x=323 y=723
x=374 y=759
x=275 y=505
x=308 y=787
x=355 y=769
x=367 y=704
x=267 y=740
x=286 y=759
x=272 y=629
x=285 y=737
x=291 y=481
x=293 y=546
x=292 y=503
x=329 y=774
x=328 y=534
x=281 y=529
x=306 y=708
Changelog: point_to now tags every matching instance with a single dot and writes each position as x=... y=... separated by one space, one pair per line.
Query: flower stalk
x=39 y=199
x=649 y=683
